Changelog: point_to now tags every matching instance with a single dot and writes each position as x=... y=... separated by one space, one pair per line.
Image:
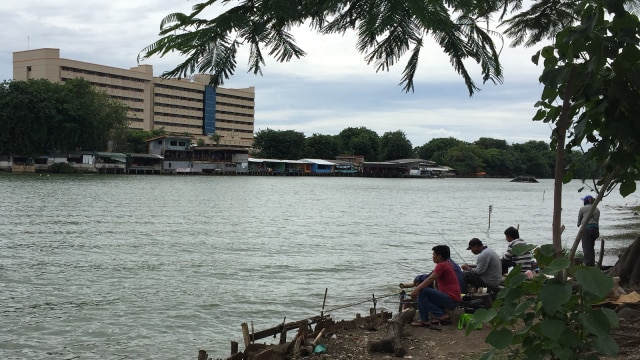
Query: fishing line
x=414 y=269
x=448 y=243
x=364 y=301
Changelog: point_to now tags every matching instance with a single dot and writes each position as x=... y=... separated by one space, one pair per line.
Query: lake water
x=140 y=267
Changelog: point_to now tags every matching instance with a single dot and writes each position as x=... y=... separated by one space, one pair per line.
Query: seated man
x=422 y=277
x=509 y=259
x=435 y=301
x=488 y=269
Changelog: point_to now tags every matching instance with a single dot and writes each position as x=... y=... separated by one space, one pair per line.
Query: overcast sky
x=330 y=89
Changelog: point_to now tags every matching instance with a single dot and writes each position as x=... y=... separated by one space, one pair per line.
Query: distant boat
x=525 y=178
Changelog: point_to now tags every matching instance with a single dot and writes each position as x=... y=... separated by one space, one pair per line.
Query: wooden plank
x=277 y=330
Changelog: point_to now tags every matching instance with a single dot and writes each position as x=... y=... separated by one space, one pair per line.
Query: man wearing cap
x=488 y=269
x=591 y=232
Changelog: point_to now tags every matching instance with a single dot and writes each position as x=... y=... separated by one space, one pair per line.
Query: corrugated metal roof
x=148 y=156
x=266 y=160
x=115 y=156
x=317 y=161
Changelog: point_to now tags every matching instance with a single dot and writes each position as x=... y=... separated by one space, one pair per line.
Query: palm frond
x=543 y=20
x=412 y=67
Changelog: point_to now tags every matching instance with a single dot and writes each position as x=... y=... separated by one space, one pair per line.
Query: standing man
x=591 y=232
x=446 y=296
x=488 y=269
x=512 y=235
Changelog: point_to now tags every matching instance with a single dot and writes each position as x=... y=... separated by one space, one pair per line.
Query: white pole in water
x=490 y=209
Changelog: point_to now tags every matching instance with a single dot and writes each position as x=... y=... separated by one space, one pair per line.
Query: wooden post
x=601 y=253
x=202 y=355
x=323 y=302
x=234 y=347
x=283 y=333
x=245 y=334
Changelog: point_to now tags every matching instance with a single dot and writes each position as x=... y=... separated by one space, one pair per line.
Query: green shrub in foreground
x=547 y=318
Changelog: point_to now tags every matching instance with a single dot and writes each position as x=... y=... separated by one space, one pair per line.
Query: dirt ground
x=447 y=343
x=351 y=339
x=419 y=342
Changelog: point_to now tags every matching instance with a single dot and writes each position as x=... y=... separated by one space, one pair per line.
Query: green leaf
x=563 y=353
x=536 y=58
x=552 y=328
x=556 y=265
x=521 y=249
x=612 y=316
x=523 y=306
x=595 y=322
x=499 y=339
x=627 y=188
x=514 y=279
x=567 y=177
x=483 y=315
x=605 y=344
x=523 y=330
x=548 y=344
x=550 y=93
x=547 y=52
x=479 y=317
x=594 y=281
x=545 y=254
x=554 y=294
x=540 y=115
x=569 y=338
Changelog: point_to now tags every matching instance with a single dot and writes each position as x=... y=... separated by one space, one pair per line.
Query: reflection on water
x=125 y=266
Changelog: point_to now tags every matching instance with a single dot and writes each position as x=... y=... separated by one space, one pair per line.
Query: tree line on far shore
x=37 y=117
x=485 y=156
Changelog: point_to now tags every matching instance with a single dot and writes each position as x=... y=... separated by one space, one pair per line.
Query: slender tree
x=592 y=70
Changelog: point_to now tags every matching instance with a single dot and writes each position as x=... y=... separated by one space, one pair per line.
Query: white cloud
x=330 y=89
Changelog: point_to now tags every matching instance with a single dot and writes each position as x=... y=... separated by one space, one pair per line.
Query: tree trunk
x=628 y=266
x=561 y=135
x=392 y=343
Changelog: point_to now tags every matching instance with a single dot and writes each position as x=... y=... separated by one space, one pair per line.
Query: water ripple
x=128 y=267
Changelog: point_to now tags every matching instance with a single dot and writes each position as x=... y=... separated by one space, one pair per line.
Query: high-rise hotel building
x=185 y=106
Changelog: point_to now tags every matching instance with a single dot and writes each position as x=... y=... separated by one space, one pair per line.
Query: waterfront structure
x=180 y=106
x=405 y=168
x=180 y=156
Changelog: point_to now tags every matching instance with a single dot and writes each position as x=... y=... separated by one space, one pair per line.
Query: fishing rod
x=448 y=243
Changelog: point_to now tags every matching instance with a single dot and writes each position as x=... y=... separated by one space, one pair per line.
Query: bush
x=62 y=168
x=548 y=318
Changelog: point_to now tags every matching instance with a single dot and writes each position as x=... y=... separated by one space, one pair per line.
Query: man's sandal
x=430 y=325
x=445 y=320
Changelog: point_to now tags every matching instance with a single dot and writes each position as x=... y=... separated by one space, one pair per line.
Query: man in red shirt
x=446 y=296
